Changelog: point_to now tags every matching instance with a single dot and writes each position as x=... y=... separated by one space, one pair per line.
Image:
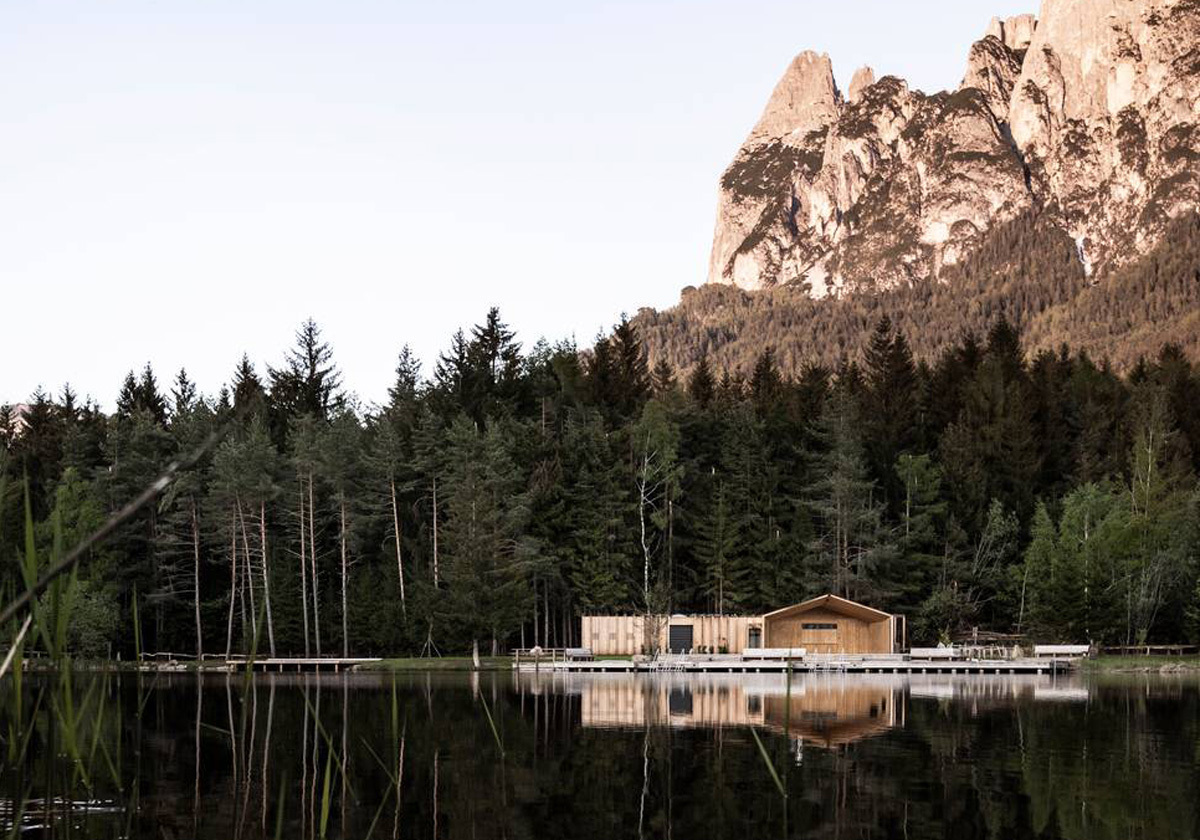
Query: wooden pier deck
x=766 y=666
x=328 y=664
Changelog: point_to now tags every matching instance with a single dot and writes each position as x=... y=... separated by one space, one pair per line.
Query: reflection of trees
x=208 y=757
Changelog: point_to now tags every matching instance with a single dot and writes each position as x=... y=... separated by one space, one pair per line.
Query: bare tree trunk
x=304 y=572
x=342 y=540
x=399 y=557
x=196 y=578
x=670 y=551
x=247 y=574
x=642 y=490
x=232 y=592
x=266 y=574
x=312 y=559
x=435 y=533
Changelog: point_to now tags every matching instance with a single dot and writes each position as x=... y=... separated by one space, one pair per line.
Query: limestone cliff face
x=1088 y=112
x=1105 y=112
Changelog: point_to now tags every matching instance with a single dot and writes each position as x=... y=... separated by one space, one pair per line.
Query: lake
x=505 y=755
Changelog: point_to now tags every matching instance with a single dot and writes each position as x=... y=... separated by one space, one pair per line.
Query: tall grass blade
x=767 y=761
x=325 y=796
x=492 y=723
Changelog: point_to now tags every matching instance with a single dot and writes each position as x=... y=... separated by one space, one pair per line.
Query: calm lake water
x=618 y=756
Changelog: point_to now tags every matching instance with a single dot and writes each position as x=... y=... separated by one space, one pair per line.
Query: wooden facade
x=624 y=635
x=824 y=625
x=831 y=625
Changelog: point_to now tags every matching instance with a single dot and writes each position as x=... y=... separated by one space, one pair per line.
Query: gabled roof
x=834 y=603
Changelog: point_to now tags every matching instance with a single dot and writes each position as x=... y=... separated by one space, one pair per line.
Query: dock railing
x=550 y=656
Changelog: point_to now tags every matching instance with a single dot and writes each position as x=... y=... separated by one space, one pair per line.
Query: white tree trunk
x=196 y=579
x=399 y=557
x=435 y=533
x=247 y=573
x=304 y=573
x=312 y=559
x=266 y=574
x=232 y=592
x=342 y=539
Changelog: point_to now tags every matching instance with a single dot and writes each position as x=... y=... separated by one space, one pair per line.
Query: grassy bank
x=1138 y=664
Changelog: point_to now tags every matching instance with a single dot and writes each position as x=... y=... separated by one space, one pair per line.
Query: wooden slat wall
x=853 y=635
x=623 y=635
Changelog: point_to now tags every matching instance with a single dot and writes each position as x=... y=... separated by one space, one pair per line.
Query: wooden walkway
x=860 y=666
x=329 y=664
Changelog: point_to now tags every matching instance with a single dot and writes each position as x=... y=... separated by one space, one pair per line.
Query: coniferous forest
x=518 y=488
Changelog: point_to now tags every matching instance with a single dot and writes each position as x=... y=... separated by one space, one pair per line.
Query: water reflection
x=576 y=755
x=826 y=709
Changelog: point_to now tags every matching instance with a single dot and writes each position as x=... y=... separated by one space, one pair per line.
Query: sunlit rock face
x=1087 y=112
x=1105 y=112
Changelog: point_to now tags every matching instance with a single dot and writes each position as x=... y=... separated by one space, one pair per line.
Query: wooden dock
x=846 y=666
x=326 y=664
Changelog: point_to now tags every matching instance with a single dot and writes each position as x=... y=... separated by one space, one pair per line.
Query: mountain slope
x=1073 y=141
x=1087 y=114
x=1026 y=270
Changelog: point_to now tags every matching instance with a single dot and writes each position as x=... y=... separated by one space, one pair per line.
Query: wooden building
x=620 y=635
x=827 y=624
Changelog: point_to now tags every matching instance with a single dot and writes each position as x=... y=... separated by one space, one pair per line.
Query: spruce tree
x=701 y=385
x=487 y=574
x=852 y=539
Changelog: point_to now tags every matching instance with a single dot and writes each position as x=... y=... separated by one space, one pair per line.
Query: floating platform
x=804 y=666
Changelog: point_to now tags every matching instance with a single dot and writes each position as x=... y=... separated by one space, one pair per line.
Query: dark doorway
x=679 y=638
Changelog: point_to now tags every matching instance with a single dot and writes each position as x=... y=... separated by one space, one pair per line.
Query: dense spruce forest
x=1027 y=271
x=517 y=489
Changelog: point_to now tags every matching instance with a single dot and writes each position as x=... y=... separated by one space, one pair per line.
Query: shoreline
x=1142 y=664
x=1156 y=664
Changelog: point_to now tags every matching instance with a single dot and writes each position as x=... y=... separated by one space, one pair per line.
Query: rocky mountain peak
x=1088 y=112
x=862 y=79
x=805 y=98
x=1016 y=33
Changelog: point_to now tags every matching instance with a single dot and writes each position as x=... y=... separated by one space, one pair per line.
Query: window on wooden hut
x=819 y=625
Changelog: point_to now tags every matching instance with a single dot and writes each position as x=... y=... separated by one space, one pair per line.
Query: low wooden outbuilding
x=619 y=635
x=829 y=624
x=824 y=625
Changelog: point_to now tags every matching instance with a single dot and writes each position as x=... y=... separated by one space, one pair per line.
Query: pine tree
x=340 y=453
x=487 y=572
x=249 y=396
x=719 y=551
x=851 y=541
x=921 y=532
x=891 y=424
x=701 y=385
x=600 y=558
x=1039 y=601
x=309 y=383
x=663 y=378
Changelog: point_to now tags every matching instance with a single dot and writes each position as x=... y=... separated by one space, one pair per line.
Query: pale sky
x=182 y=181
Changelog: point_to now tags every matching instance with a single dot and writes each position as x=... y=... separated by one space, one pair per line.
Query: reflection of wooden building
x=830 y=624
x=827 y=710
x=823 y=625
x=835 y=712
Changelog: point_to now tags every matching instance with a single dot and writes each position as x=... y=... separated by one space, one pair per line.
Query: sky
x=185 y=181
